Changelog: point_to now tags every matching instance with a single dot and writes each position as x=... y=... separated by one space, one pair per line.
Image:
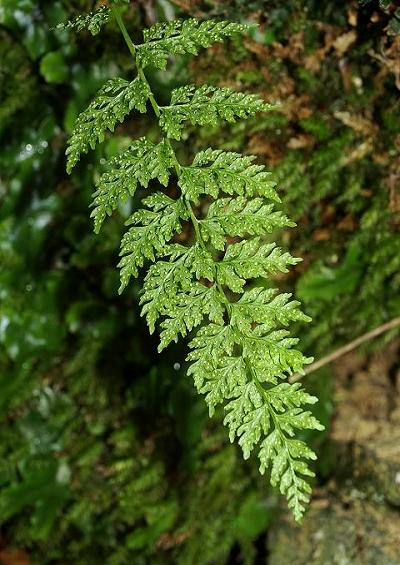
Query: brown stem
x=346 y=348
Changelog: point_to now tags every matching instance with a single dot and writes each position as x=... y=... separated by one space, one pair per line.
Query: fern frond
x=165 y=279
x=112 y=103
x=214 y=171
x=183 y=36
x=255 y=414
x=263 y=306
x=287 y=456
x=142 y=162
x=249 y=259
x=151 y=230
x=240 y=217
x=271 y=353
x=187 y=311
x=93 y=21
x=240 y=357
x=207 y=105
x=222 y=381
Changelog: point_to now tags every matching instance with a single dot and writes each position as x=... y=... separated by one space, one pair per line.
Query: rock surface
x=355 y=518
x=339 y=530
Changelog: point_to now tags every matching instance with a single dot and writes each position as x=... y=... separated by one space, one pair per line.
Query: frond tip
x=256 y=415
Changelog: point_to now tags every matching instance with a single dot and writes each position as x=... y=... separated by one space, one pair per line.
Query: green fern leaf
x=271 y=353
x=297 y=418
x=213 y=172
x=286 y=455
x=263 y=306
x=187 y=311
x=93 y=21
x=251 y=417
x=111 y=105
x=207 y=105
x=254 y=425
x=245 y=399
x=217 y=381
x=240 y=217
x=183 y=36
x=240 y=357
x=255 y=414
x=251 y=259
x=165 y=279
x=212 y=343
x=141 y=163
x=286 y=395
x=151 y=230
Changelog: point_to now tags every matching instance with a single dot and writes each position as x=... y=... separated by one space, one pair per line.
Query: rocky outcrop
x=355 y=518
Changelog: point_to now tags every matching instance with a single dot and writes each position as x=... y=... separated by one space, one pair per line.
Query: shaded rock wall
x=355 y=518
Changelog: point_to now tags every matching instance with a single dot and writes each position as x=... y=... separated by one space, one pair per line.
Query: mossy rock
x=345 y=530
x=378 y=465
x=366 y=429
x=355 y=519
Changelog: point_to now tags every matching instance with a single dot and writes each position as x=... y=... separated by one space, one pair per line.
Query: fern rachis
x=239 y=354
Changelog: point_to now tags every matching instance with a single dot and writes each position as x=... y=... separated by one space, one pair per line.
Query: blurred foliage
x=107 y=454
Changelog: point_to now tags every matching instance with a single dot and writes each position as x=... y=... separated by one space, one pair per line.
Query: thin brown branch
x=346 y=348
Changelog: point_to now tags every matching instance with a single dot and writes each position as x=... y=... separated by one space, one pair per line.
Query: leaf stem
x=228 y=309
x=202 y=243
x=153 y=102
x=132 y=48
x=117 y=15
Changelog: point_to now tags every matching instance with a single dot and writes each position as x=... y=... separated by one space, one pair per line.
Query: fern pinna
x=215 y=287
